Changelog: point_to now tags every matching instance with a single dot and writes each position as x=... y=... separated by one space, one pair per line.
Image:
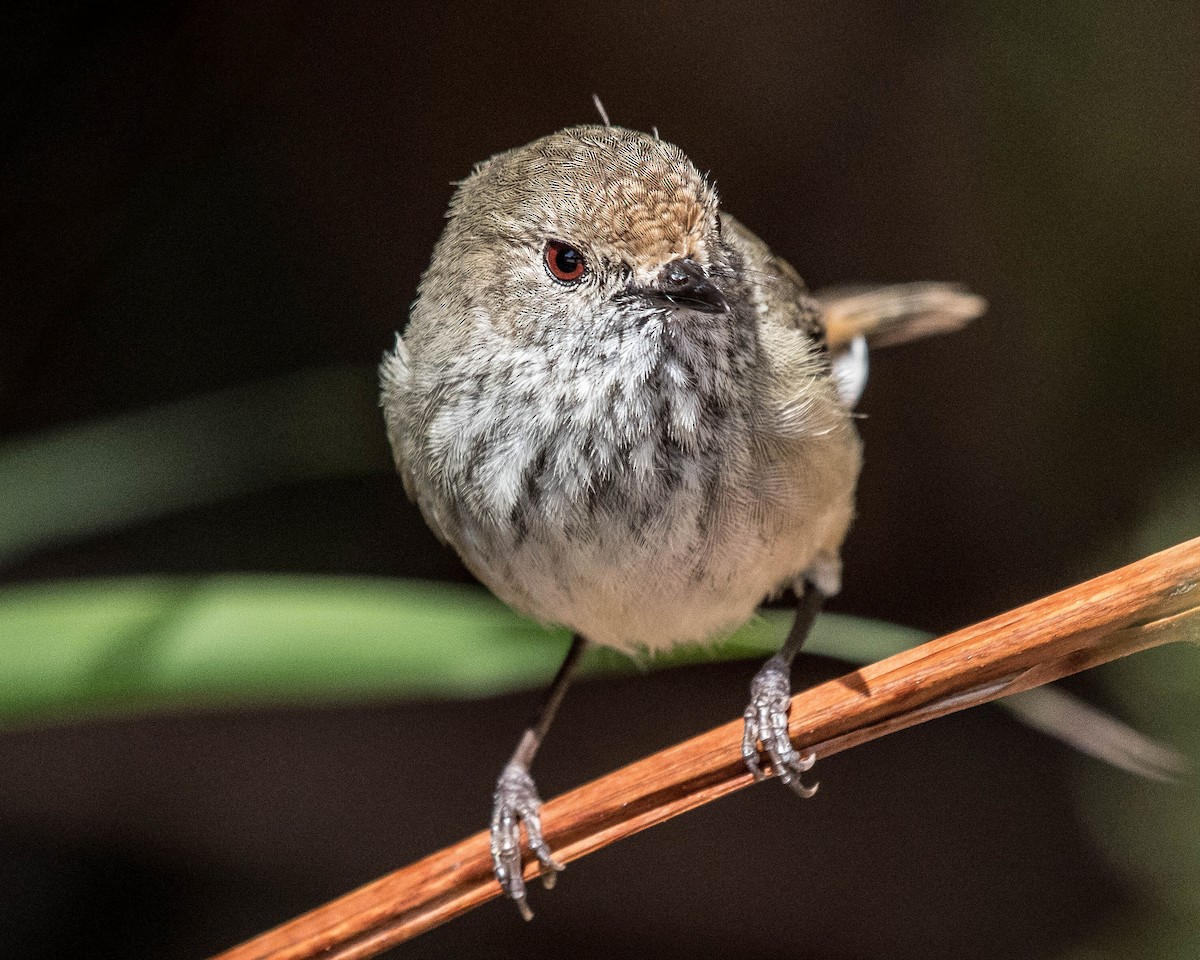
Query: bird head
x=589 y=224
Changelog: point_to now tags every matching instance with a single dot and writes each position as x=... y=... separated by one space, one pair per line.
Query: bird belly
x=653 y=564
x=651 y=599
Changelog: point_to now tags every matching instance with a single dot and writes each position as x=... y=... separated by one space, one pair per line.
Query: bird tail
x=891 y=314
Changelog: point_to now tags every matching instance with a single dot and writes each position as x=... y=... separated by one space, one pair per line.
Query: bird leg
x=516 y=800
x=770 y=695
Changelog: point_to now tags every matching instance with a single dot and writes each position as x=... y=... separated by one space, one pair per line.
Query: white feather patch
x=850 y=371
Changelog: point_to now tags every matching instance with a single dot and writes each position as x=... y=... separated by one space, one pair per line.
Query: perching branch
x=1148 y=603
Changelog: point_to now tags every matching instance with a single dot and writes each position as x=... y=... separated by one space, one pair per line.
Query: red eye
x=565 y=263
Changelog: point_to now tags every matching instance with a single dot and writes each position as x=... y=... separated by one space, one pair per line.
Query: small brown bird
x=630 y=418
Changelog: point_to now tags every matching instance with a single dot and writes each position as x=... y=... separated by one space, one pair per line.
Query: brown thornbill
x=630 y=418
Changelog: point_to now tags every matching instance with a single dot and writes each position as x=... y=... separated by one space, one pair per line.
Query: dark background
x=201 y=196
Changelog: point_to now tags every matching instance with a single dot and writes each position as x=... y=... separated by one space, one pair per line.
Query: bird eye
x=565 y=263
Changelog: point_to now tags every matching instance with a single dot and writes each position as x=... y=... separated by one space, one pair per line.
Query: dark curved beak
x=682 y=284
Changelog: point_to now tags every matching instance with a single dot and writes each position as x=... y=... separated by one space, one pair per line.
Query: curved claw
x=515 y=802
x=766 y=723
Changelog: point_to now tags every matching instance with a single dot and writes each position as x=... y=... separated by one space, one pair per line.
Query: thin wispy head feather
x=604 y=113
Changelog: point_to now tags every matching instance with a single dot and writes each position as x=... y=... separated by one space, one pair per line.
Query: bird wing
x=394 y=374
x=781 y=296
x=848 y=319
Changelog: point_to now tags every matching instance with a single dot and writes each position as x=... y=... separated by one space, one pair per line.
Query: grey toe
x=515 y=802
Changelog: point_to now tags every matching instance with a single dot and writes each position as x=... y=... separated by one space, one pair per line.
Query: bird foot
x=767 y=723
x=515 y=802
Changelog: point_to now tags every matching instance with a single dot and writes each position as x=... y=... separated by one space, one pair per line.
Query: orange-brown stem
x=1153 y=601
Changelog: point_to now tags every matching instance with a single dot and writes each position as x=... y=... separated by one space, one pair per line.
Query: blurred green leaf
x=73 y=648
x=103 y=475
x=1152 y=836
